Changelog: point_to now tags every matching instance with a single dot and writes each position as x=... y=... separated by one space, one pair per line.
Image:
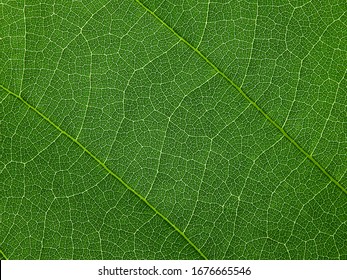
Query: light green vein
x=2 y=253
x=337 y=183
x=107 y=169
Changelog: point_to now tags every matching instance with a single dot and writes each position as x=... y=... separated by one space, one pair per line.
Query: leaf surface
x=173 y=130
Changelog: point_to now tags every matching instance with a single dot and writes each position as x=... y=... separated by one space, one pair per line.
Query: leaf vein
x=250 y=100
x=106 y=168
x=3 y=254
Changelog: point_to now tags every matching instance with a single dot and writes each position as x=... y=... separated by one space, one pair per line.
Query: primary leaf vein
x=3 y=254
x=105 y=167
x=249 y=99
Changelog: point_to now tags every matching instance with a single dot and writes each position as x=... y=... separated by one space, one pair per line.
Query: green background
x=173 y=129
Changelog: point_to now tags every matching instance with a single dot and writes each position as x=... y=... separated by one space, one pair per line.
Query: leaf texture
x=173 y=129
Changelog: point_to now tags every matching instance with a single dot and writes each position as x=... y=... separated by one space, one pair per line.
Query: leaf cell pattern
x=173 y=129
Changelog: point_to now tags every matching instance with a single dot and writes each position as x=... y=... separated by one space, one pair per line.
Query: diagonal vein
x=106 y=168
x=250 y=100
x=3 y=254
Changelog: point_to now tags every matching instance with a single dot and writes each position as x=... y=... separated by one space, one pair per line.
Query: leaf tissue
x=180 y=129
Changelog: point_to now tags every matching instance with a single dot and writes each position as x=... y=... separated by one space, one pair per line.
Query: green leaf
x=173 y=129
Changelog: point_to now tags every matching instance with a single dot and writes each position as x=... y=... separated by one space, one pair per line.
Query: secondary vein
x=106 y=168
x=250 y=100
